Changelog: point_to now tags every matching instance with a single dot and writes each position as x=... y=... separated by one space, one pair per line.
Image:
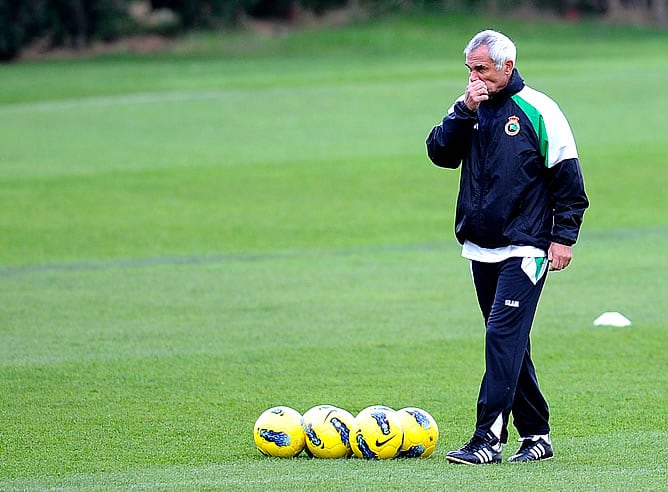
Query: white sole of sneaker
x=530 y=461
x=457 y=461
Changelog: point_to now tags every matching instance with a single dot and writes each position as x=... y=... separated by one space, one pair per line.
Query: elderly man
x=520 y=206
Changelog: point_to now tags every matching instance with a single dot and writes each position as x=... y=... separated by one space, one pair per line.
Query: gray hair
x=501 y=48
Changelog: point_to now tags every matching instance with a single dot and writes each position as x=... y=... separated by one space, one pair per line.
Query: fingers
x=477 y=84
x=476 y=92
x=559 y=256
x=558 y=265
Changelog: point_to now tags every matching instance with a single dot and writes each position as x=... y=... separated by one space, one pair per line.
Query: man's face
x=481 y=67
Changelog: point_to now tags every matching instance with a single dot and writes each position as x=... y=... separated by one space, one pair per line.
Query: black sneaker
x=478 y=451
x=533 y=449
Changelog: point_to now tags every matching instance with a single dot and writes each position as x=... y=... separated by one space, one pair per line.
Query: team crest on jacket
x=512 y=127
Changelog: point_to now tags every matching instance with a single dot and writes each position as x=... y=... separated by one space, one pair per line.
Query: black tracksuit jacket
x=521 y=181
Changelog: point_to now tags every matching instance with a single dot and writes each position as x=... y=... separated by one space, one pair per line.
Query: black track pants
x=508 y=298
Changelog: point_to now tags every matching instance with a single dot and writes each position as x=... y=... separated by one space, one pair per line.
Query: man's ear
x=508 y=67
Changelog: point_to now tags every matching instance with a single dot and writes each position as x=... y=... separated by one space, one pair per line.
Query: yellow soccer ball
x=378 y=433
x=420 y=433
x=327 y=429
x=278 y=432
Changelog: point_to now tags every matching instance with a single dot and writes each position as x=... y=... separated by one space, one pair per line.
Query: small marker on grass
x=612 y=318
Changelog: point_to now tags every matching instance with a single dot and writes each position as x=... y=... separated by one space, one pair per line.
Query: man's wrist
x=466 y=110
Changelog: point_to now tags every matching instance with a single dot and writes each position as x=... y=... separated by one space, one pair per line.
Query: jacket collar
x=515 y=84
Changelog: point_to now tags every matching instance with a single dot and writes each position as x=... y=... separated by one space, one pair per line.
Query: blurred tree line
x=75 y=23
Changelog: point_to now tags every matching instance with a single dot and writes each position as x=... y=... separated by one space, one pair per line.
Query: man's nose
x=473 y=77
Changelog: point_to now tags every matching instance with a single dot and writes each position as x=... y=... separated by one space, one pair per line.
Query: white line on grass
x=186 y=96
x=210 y=259
x=112 y=100
x=8 y=271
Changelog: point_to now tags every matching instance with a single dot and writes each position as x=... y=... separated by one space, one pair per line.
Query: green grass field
x=189 y=238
